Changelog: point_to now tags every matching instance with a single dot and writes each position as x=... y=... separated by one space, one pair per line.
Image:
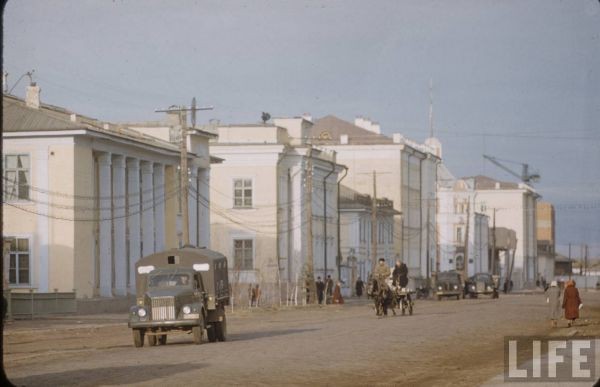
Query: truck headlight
x=489 y=288
x=473 y=287
x=141 y=312
x=455 y=287
x=186 y=309
x=439 y=288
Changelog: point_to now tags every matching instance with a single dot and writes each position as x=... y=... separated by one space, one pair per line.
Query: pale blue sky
x=518 y=80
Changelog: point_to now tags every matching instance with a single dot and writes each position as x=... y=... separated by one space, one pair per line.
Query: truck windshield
x=167 y=280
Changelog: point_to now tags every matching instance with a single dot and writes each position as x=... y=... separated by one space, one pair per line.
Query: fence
x=32 y=304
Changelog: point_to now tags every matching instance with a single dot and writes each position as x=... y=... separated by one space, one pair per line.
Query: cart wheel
x=458 y=297
x=439 y=298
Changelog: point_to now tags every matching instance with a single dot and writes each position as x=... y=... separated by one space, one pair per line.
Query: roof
x=354 y=200
x=485 y=182
x=327 y=131
x=18 y=117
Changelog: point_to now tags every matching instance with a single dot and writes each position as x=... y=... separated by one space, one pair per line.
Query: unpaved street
x=444 y=343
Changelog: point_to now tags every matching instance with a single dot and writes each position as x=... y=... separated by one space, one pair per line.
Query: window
x=243 y=254
x=16 y=177
x=380 y=233
x=18 y=265
x=459 y=236
x=242 y=193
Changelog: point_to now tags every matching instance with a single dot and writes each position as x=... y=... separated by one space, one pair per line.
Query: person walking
x=553 y=301
x=320 y=290
x=360 y=285
x=328 y=289
x=337 y=294
x=571 y=302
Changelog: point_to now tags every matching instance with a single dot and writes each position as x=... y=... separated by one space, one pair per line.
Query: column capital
x=104 y=158
x=118 y=161
x=133 y=163
x=147 y=166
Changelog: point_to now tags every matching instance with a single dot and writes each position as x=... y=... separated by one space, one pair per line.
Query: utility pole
x=466 y=260
x=374 y=224
x=570 y=262
x=183 y=164
x=310 y=263
x=494 y=243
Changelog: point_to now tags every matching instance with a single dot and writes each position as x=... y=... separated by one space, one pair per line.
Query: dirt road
x=444 y=343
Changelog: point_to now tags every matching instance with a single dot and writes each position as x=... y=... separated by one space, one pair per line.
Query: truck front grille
x=163 y=308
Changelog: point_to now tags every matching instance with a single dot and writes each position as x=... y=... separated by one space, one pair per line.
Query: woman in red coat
x=571 y=302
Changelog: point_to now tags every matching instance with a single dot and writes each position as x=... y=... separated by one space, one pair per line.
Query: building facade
x=275 y=198
x=546 y=240
x=399 y=169
x=463 y=229
x=356 y=223
x=512 y=206
x=85 y=199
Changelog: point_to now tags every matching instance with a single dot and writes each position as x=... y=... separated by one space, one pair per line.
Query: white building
x=84 y=199
x=405 y=172
x=356 y=223
x=512 y=206
x=463 y=229
x=260 y=196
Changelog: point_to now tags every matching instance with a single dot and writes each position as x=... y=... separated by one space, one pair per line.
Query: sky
x=515 y=79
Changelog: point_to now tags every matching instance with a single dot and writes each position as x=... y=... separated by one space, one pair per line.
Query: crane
x=525 y=176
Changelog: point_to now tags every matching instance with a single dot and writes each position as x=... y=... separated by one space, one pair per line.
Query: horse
x=382 y=297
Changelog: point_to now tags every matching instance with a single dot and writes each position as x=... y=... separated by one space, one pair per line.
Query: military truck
x=180 y=290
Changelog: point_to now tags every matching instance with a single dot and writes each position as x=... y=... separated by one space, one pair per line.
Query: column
x=105 y=214
x=159 y=207
x=193 y=205
x=133 y=218
x=147 y=208
x=203 y=207
x=119 y=223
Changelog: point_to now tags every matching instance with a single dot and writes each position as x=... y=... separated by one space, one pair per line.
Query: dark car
x=448 y=284
x=420 y=286
x=482 y=283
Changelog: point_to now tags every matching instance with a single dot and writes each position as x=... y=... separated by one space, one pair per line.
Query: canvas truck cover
x=211 y=265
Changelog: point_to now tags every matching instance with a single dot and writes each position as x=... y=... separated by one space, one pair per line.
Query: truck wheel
x=162 y=339
x=138 y=337
x=151 y=340
x=197 y=332
x=439 y=298
x=211 y=332
x=221 y=329
x=457 y=297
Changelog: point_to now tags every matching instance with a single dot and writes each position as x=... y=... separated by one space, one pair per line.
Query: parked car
x=482 y=283
x=420 y=285
x=180 y=290
x=448 y=284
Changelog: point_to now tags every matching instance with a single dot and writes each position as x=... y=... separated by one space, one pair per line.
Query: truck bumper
x=163 y=324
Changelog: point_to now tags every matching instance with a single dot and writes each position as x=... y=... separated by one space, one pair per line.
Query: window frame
x=243 y=189
x=16 y=197
x=244 y=249
x=18 y=253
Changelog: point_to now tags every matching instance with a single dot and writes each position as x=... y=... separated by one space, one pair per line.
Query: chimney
x=344 y=139
x=497 y=186
x=307 y=117
x=397 y=138
x=367 y=124
x=32 y=97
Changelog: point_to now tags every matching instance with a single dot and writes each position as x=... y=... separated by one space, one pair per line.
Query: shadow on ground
x=259 y=335
x=107 y=376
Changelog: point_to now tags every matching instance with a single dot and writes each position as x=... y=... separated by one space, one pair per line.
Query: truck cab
x=180 y=290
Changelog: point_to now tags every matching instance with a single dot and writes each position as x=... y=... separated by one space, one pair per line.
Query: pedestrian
x=360 y=285
x=257 y=296
x=250 y=295
x=320 y=290
x=571 y=302
x=337 y=294
x=328 y=289
x=553 y=301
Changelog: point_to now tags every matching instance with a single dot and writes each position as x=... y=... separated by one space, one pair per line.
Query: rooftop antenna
x=430 y=107
x=28 y=74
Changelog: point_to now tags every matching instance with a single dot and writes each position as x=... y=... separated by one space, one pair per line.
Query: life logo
x=551 y=359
